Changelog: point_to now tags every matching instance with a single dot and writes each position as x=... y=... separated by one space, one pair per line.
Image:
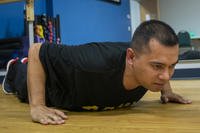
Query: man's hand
x=46 y=116
x=175 y=98
x=167 y=95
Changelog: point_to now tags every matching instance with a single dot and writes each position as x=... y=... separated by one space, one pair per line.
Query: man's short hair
x=156 y=29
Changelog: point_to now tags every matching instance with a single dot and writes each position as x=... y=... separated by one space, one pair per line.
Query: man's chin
x=155 y=89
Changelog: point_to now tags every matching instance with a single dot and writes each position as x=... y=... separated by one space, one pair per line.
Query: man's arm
x=36 y=91
x=167 y=95
x=167 y=88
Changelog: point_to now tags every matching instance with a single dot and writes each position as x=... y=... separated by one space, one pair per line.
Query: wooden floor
x=148 y=116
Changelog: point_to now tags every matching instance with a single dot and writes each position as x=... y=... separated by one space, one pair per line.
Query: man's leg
x=15 y=79
x=20 y=82
x=7 y=81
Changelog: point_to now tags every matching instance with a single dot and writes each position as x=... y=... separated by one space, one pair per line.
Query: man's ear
x=130 y=55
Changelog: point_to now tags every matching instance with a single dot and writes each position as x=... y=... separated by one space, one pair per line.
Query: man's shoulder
x=109 y=44
x=99 y=55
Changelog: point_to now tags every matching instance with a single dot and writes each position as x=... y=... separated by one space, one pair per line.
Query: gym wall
x=81 y=21
x=85 y=21
x=12 y=17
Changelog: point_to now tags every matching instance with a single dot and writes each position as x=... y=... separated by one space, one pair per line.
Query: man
x=96 y=76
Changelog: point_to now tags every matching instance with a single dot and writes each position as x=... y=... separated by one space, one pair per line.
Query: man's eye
x=157 y=67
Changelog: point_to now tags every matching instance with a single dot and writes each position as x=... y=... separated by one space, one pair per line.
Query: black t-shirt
x=87 y=76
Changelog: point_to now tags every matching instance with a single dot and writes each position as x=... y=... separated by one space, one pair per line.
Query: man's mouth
x=160 y=85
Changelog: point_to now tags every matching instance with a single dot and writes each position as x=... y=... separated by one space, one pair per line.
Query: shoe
x=24 y=60
x=7 y=89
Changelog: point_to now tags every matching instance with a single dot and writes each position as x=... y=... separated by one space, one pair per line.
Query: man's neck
x=129 y=80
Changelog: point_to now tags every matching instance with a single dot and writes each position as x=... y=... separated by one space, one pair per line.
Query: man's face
x=154 y=69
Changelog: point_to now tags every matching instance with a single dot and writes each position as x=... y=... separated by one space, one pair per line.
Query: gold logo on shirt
x=94 y=108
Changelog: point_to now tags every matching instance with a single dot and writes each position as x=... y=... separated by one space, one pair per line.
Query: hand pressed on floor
x=47 y=116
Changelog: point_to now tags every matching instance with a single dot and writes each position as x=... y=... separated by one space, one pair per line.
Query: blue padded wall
x=85 y=21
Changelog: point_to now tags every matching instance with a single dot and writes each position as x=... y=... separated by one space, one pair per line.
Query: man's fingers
x=43 y=121
x=184 y=101
x=164 y=99
x=188 y=101
x=45 y=115
x=179 y=99
x=175 y=99
x=61 y=114
x=50 y=120
x=56 y=119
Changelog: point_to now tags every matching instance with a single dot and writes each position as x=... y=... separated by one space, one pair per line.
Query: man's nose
x=165 y=75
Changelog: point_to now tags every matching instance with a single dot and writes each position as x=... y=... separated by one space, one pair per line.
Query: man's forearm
x=35 y=77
